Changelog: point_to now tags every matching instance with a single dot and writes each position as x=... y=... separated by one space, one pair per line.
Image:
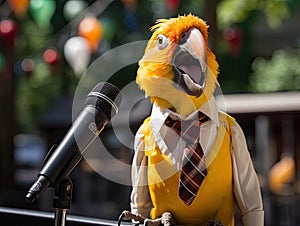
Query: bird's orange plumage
x=155 y=73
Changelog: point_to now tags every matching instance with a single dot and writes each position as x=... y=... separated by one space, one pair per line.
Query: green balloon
x=2 y=61
x=110 y=28
x=42 y=11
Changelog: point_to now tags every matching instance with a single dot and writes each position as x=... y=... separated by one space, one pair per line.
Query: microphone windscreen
x=105 y=97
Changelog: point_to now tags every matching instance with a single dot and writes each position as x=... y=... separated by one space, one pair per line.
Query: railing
x=22 y=217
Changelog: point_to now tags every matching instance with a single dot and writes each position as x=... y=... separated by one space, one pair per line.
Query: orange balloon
x=19 y=6
x=91 y=29
x=282 y=174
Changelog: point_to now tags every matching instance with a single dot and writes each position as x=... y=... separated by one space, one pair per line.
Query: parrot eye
x=162 y=41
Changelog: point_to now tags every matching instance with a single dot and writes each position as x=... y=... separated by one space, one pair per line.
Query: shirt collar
x=159 y=116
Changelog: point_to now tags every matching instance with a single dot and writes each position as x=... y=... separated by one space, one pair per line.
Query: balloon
x=73 y=7
x=130 y=20
x=77 y=53
x=42 y=11
x=8 y=30
x=51 y=56
x=17 y=68
x=19 y=7
x=24 y=67
x=234 y=38
x=109 y=28
x=91 y=29
x=173 y=5
x=27 y=65
x=129 y=3
x=282 y=174
x=2 y=61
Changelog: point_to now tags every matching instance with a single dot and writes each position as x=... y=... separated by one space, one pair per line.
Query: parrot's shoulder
x=144 y=139
x=226 y=118
x=145 y=126
x=144 y=130
x=139 y=140
x=231 y=125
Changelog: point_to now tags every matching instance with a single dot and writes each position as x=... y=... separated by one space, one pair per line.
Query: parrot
x=179 y=73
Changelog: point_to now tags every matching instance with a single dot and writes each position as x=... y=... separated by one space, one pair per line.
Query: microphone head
x=105 y=97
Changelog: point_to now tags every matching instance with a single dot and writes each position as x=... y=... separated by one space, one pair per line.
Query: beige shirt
x=246 y=186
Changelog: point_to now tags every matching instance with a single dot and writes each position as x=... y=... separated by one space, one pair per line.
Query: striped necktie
x=193 y=169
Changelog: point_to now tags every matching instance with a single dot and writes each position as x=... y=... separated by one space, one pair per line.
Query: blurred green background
x=256 y=43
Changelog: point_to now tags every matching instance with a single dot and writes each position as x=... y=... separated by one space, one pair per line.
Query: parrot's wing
x=140 y=196
x=246 y=185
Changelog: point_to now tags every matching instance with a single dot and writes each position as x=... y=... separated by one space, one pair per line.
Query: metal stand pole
x=62 y=201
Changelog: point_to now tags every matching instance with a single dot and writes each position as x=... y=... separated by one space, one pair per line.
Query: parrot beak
x=189 y=62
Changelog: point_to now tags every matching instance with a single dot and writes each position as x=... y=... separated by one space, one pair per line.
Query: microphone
x=101 y=105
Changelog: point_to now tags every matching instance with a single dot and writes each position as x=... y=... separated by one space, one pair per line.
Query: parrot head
x=178 y=70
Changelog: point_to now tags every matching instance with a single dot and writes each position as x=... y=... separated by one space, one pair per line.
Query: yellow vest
x=214 y=200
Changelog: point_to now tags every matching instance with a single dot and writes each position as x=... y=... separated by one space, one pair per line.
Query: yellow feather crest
x=155 y=73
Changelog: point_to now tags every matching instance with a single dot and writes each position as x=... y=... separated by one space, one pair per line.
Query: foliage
x=236 y=11
x=34 y=95
x=279 y=73
x=35 y=91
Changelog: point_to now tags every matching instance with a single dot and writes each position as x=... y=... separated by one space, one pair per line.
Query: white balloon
x=73 y=7
x=78 y=54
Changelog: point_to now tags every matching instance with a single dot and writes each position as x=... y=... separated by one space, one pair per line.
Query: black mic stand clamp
x=62 y=200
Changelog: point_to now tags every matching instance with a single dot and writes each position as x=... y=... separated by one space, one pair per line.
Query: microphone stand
x=62 y=200
x=62 y=197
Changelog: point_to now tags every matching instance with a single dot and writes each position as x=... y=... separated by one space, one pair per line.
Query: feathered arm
x=140 y=197
x=246 y=185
